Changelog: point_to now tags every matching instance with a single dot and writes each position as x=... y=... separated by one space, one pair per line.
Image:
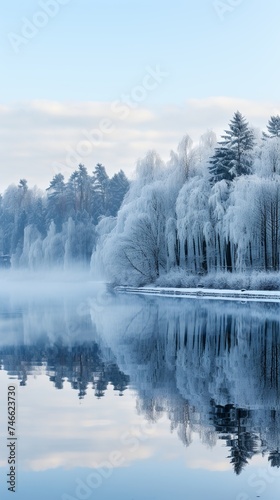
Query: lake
x=137 y=398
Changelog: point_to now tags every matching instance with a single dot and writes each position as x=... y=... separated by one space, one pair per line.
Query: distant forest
x=213 y=207
x=58 y=227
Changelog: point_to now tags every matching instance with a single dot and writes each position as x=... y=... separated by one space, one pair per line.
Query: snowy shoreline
x=204 y=293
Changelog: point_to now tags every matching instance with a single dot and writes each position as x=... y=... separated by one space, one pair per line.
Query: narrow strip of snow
x=205 y=293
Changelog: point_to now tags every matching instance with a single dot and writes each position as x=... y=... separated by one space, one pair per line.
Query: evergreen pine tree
x=117 y=188
x=79 y=191
x=100 y=182
x=273 y=127
x=56 y=201
x=232 y=157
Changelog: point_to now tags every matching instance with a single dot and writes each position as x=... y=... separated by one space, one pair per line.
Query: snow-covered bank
x=198 y=293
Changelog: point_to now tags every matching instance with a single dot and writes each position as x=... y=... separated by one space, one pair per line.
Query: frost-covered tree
x=206 y=148
x=192 y=224
x=57 y=201
x=253 y=225
x=135 y=251
x=273 y=127
x=79 y=191
x=220 y=253
x=185 y=153
x=232 y=157
x=117 y=188
x=100 y=182
x=269 y=161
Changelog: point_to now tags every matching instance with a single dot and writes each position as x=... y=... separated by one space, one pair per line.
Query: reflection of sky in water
x=207 y=373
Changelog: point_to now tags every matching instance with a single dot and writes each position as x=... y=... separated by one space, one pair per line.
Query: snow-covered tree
x=273 y=127
x=100 y=182
x=192 y=223
x=232 y=157
x=269 y=162
x=185 y=153
x=57 y=201
x=116 y=191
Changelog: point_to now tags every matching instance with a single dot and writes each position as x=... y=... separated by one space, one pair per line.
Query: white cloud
x=40 y=138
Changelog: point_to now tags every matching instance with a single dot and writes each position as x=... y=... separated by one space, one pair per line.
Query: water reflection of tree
x=81 y=365
x=232 y=425
x=211 y=368
x=242 y=448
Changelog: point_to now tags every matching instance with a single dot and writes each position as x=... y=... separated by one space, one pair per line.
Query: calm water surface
x=139 y=398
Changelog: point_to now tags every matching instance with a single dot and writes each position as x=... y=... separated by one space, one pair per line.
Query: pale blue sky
x=97 y=50
x=94 y=50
